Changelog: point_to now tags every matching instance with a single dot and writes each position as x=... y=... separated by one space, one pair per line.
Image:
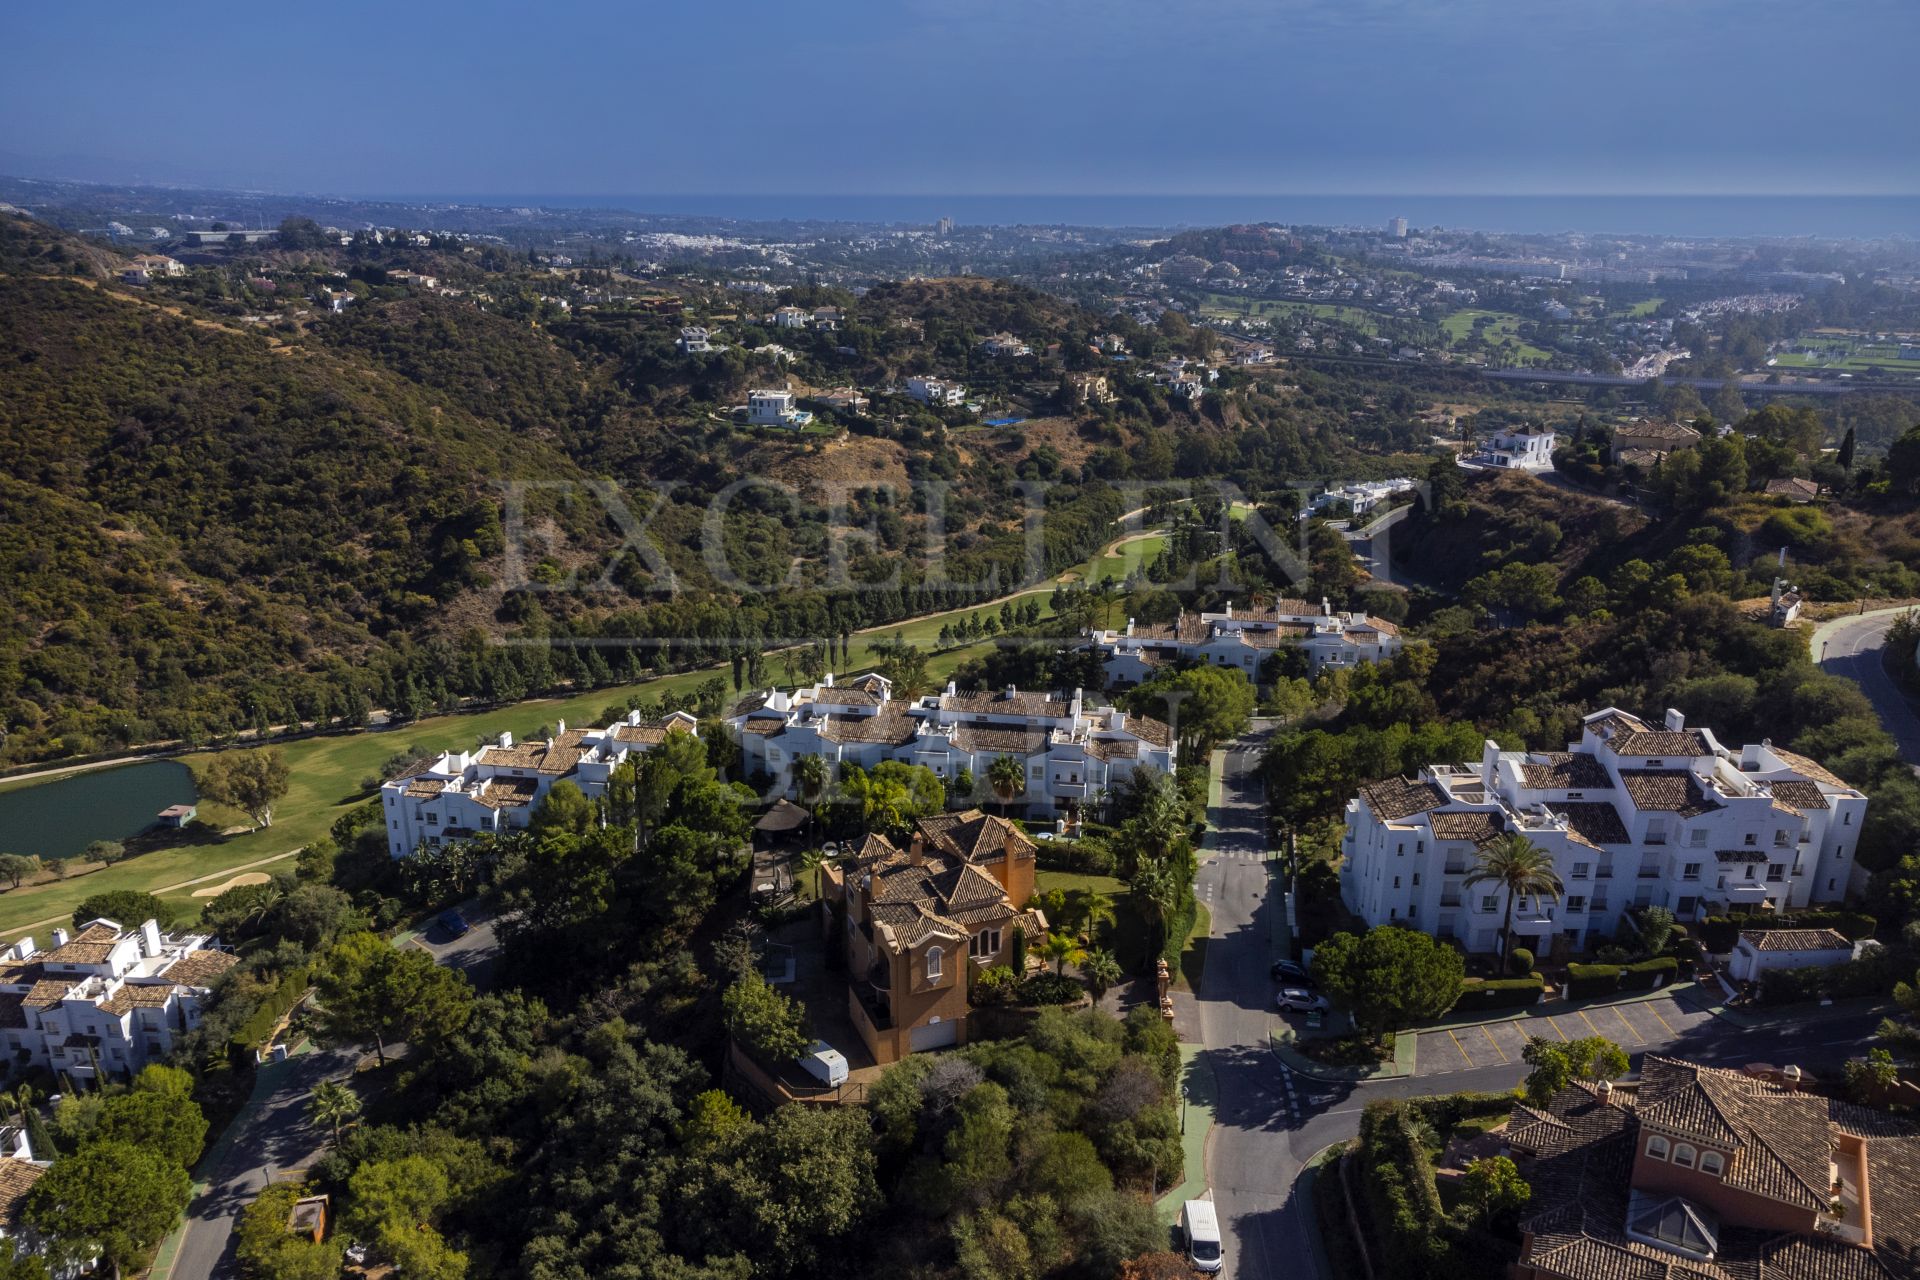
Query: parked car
x=1200 y=1225
x=454 y=923
x=1292 y=972
x=1301 y=1000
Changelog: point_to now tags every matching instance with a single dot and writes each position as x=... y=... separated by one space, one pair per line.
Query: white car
x=1301 y=1000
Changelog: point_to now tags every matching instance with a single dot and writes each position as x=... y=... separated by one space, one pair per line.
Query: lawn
x=1121 y=561
x=1502 y=327
x=1637 y=310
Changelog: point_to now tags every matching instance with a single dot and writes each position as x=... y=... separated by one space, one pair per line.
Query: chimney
x=150 y=939
x=1129 y=626
x=1675 y=721
x=1606 y=1092
x=1229 y=608
x=506 y=738
x=23 y=948
x=917 y=850
x=826 y=681
x=1326 y=607
x=1116 y=719
x=633 y=716
x=562 y=729
x=61 y=937
x=1011 y=690
x=953 y=690
x=1792 y=1076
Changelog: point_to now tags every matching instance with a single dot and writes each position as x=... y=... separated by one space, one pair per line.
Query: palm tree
x=810 y=777
x=1155 y=892
x=332 y=1104
x=1519 y=866
x=1062 y=950
x=1100 y=970
x=1008 y=778
x=1094 y=908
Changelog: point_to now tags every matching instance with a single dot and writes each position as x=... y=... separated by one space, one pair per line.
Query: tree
x=1093 y=909
x=1388 y=977
x=16 y=867
x=129 y=908
x=332 y=1105
x=1062 y=950
x=1870 y=1078
x=104 y=852
x=1519 y=866
x=167 y=1124
x=250 y=781
x=266 y=1248
x=371 y=990
x=904 y=665
x=769 y=1024
x=1556 y=1064
x=1204 y=705
x=811 y=775
x=112 y=1199
x=1656 y=927
x=1008 y=778
x=391 y=1203
x=1847 y=445
x=1493 y=1186
x=1100 y=970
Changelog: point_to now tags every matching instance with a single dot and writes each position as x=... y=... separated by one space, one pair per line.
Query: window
x=1752 y=870
x=1697 y=839
x=1396 y=882
x=984 y=943
x=1489 y=903
x=1656 y=1148
x=1419 y=846
x=935 y=959
x=1576 y=902
x=1416 y=879
x=1580 y=870
x=1683 y=1156
x=1690 y=872
x=1846 y=819
x=1655 y=764
x=1780 y=838
x=1711 y=1163
x=433 y=819
x=1575 y=795
x=1776 y=871
x=1750 y=839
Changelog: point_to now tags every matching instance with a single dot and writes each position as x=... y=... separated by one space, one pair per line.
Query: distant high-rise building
x=944 y=226
x=1397 y=228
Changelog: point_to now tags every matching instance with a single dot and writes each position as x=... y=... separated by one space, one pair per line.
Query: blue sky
x=972 y=96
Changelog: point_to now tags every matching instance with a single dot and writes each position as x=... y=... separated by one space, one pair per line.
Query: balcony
x=1603 y=873
x=1648 y=873
x=1075 y=790
x=1450 y=900
x=1746 y=890
x=1455 y=869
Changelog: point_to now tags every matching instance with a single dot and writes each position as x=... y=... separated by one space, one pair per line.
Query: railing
x=1648 y=873
x=1450 y=900
x=1603 y=873
x=1455 y=869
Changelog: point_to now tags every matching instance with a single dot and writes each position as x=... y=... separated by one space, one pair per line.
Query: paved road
x=271 y=1140
x=1851 y=647
x=1269 y=1121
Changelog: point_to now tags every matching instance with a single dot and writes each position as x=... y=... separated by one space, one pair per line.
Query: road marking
x=1558 y=1030
x=1495 y=1043
x=1464 y=1055
x=1589 y=1021
x=1652 y=1009
x=1631 y=1030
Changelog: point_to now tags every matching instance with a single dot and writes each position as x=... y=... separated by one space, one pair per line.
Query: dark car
x=1292 y=973
x=454 y=923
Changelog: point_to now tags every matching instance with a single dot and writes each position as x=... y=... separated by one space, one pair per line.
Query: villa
x=497 y=787
x=1528 y=448
x=1245 y=640
x=935 y=391
x=1072 y=750
x=774 y=408
x=1632 y=816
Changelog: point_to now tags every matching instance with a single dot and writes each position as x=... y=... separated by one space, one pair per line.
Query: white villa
x=1073 y=751
x=1005 y=344
x=695 y=339
x=1528 y=448
x=497 y=787
x=1245 y=639
x=791 y=318
x=1633 y=816
x=1361 y=496
x=774 y=408
x=103 y=1003
x=936 y=391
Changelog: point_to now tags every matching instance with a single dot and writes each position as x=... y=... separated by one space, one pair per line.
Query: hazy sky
x=574 y=97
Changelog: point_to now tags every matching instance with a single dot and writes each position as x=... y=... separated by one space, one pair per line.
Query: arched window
x=934 y=958
x=1656 y=1148
x=1683 y=1156
x=1712 y=1163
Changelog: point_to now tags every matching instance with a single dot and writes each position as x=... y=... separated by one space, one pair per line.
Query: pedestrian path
x=1197 y=1092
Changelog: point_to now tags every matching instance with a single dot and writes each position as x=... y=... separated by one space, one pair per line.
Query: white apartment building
x=695 y=339
x=1073 y=751
x=103 y=1003
x=936 y=391
x=497 y=787
x=1360 y=497
x=1527 y=448
x=1633 y=816
x=1244 y=640
x=774 y=408
x=1005 y=344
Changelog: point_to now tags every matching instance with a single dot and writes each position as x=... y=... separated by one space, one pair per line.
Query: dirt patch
x=244 y=878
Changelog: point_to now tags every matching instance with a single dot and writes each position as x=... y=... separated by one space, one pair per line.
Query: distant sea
x=1840 y=217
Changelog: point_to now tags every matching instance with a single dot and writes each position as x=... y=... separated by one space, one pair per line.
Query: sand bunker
x=245 y=877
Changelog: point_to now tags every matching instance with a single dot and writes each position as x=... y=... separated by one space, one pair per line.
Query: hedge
x=1873 y=974
x=1082 y=857
x=252 y=1034
x=1501 y=993
x=1584 y=981
x=1648 y=974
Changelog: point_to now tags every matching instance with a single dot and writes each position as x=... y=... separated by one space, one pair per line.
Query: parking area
x=1660 y=1023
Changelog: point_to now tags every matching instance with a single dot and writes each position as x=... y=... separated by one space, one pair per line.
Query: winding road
x=1852 y=648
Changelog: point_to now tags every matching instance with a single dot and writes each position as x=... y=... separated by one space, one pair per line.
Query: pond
x=60 y=817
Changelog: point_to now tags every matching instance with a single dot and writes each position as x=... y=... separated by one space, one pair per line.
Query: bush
x=1500 y=993
x=1585 y=981
x=998 y=985
x=1520 y=963
x=1050 y=988
x=1648 y=974
x=1083 y=857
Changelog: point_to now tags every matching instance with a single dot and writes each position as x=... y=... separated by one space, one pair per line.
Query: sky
x=581 y=98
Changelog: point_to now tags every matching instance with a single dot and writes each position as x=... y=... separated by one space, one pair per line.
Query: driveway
x=1851 y=647
x=270 y=1140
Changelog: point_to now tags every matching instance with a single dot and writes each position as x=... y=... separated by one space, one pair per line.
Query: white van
x=825 y=1063
x=1201 y=1227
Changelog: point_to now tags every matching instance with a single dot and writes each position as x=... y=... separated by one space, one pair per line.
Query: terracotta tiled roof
x=1811 y=767
x=46 y=992
x=1799 y=795
x=1594 y=821
x=1566 y=770
x=11 y=1014
x=1014 y=740
x=974 y=835
x=199 y=968
x=16 y=1180
x=1667 y=791
x=765 y=727
x=749 y=704
x=892 y=726
x=1148 y=729
x=1661 y=742
x=845 y=696
x=1795 y=940
x=1113 y=748
x=1002 y=703
x=425 y=788
x=1396 y=798
x=650 y=732
x=1479 y=827
x=506 y=793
